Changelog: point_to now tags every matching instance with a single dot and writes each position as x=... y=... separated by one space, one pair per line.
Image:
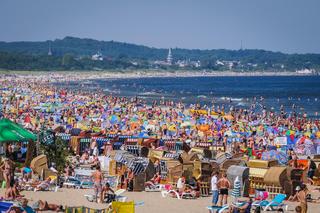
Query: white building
x=97 y=57
x=169 y=58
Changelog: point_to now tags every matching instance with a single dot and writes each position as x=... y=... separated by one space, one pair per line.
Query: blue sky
x=291 y=26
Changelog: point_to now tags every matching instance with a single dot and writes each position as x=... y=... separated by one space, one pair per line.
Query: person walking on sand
x=302 y=198
x=97 y=180
x=214 y=188
x=223 y=186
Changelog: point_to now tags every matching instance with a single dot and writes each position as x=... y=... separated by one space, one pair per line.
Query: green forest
x=73 y=53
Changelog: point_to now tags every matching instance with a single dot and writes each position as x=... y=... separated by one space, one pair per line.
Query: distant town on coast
x=71 y=53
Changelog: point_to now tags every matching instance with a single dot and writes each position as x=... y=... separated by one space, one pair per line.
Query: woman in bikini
x=7 y=171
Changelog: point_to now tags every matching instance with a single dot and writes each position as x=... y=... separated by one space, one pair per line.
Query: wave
x=226 y=98
x=149 y=93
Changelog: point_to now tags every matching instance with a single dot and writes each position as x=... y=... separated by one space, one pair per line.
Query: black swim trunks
x=224 y=191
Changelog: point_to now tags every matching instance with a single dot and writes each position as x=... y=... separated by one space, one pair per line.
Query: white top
x=95 y=151
x=180 y=183
x=214 y=181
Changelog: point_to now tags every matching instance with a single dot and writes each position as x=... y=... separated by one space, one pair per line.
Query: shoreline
x=86 y=75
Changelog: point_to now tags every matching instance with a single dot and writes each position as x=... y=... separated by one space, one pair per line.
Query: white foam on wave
x=149 y=93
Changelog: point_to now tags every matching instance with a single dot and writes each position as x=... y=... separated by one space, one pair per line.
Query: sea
x=300 y=94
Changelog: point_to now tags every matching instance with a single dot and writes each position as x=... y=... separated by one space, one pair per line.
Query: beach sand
x=153 y=202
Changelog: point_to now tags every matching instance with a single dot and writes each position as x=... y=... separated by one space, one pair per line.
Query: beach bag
x=123 y=207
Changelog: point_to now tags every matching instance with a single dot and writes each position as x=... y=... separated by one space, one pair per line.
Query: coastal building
x=49 y=50
x=306 y=71
x=169 y=58
x=97 y=57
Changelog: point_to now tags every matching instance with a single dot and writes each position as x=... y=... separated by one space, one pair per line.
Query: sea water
x=295 y=93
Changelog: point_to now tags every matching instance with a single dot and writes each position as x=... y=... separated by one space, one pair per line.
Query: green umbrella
x=11 y=132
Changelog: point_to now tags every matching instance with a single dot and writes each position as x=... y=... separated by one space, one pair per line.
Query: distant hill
x=81 y=50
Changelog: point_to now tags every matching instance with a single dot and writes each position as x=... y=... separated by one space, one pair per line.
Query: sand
x=153 y=202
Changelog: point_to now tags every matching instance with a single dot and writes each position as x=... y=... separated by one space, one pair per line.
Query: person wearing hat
x=294 y=197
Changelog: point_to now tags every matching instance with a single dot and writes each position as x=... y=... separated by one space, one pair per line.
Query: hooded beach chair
x=276 y=203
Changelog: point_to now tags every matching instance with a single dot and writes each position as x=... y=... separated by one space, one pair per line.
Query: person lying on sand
x=42 y=205
x=43 y=185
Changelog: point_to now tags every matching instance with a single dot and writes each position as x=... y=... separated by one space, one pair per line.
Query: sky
x=290 y=26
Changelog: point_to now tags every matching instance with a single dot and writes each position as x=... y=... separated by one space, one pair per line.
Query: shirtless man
x=97 y=180
x=302 y=198
x=224 y=186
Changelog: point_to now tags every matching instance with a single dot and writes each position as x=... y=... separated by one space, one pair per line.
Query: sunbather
x=24 y=206
x=84 y=158
x=153 y=181
x=44 y=185
x=45 y=206
x=246 y=208
x=68 y=172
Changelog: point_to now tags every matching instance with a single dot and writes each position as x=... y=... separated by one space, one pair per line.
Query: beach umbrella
x=228 y=117
x=143 y=135
x=186 y=124
x=114 y=119
x=204 y=128
x=236 y=192
x=10 y=132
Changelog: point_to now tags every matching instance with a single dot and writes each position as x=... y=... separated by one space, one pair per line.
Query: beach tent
x=12 y=132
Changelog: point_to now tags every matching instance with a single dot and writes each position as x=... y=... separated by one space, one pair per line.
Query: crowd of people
x=36 y=104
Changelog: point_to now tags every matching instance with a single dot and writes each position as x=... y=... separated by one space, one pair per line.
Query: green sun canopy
x=12 y=132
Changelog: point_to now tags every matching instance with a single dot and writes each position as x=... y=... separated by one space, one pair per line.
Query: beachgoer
x=246 y=208
x=302 y=198
x=223 y=186
x=129 y=179
x=97 y=180
x=108 y=193
x=26 y=173
x=311 y=169
x=7 y=171
x=153 y=181
x=24 y=206
x=298 y=209
x=12 y=192
x=44 y=185
x=295 y=196
x=181 y=184
x=214 y=188
x=41 y=205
